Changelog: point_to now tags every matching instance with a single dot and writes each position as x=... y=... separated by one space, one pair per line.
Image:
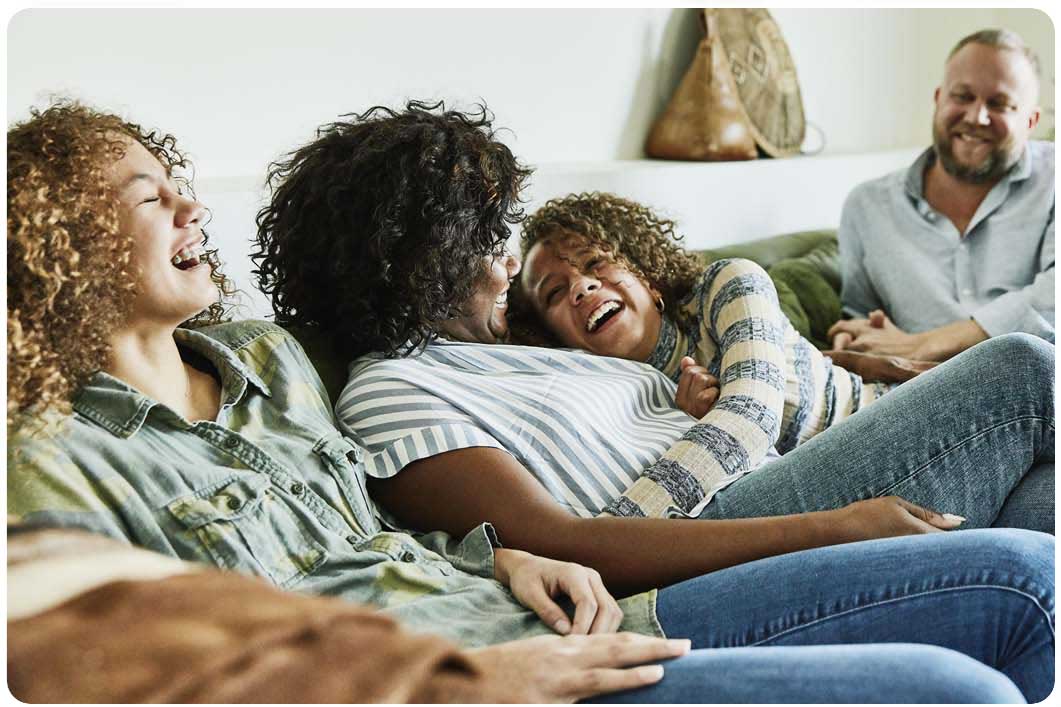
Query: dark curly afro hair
x=626 y=232
x=69 y=277
x=379 y=230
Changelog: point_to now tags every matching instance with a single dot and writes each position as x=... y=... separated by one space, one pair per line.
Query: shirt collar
x=915 y=175
x=1023 y=169
x=121 y=409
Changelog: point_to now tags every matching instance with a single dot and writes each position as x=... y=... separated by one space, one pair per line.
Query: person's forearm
x=458 y=490
x=949 y=340
x=636 y=554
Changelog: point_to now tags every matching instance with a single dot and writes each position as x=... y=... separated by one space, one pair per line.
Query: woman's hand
x=697 y=389
x=886 y=517
x=569 y=668
x=876 y=367
x=536 y=581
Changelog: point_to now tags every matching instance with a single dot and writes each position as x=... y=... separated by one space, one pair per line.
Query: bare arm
x=455 y=491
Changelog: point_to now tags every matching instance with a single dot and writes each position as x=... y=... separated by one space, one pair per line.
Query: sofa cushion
x=331 y=367
x=812 y=305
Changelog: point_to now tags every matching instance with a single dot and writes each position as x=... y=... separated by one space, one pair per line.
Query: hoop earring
x=660 y=304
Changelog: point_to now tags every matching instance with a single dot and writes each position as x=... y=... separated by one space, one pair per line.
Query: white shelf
x=717 y=203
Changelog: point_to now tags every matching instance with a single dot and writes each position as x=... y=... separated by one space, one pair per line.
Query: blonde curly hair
x=626 y=232
x=70 y=281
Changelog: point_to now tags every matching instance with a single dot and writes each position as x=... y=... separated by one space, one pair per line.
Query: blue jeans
x=876 y=673
x=986 y=595
x=973 y=436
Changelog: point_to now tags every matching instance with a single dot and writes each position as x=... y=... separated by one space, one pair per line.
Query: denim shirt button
x=408 y=556
x=297 y=488
x=352 y=539
x=231 y=442
x=234 y=504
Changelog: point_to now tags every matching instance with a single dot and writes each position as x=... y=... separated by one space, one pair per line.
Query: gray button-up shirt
x=901 y=255
x=269 y=488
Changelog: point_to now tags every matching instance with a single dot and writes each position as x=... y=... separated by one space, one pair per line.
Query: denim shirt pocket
x=241 y=524
x=343 y=459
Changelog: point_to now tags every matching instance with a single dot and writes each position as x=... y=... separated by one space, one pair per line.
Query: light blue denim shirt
x=901 y=255
x=270 y=488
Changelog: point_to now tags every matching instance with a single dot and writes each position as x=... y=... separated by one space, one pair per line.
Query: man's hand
x=536 y=581
x=697 y=389
x=568 y=668
x=874 y=367
x=874 y=335
x=879 y=335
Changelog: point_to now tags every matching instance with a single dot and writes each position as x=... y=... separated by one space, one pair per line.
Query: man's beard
x=991 y=169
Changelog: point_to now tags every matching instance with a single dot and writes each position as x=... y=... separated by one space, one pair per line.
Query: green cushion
x=791 y=306
x=818 y=304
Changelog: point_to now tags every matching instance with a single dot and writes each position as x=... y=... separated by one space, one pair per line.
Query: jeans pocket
x=240 y=524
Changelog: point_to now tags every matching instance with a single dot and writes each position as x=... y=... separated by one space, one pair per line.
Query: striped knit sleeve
x=397 y=422
x=739 y=318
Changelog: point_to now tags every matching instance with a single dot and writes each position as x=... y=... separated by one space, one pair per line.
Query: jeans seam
x=948 y=450
x=1030 y=597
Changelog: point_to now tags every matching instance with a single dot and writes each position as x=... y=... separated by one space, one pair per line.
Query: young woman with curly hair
x=607 y=275
x=432 y=201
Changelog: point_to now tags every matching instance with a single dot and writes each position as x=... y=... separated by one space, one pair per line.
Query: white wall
x=578 y=90
x=241 y=86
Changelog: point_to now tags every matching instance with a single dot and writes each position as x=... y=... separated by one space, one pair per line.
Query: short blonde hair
x=1000 y=39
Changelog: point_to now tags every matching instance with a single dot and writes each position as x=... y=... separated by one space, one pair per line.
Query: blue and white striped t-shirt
x=585 y=426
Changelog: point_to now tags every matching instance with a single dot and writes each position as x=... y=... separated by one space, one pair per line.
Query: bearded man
x=959 y=247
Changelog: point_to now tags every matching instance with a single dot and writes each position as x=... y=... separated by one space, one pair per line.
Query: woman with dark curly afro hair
x=387 y=223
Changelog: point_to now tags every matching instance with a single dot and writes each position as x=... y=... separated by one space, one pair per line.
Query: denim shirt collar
x=915 y=175
x=121 y=409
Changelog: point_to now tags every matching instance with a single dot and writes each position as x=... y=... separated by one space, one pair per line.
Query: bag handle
x=708 y=22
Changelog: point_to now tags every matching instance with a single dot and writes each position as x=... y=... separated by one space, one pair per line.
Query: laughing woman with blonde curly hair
x=72 y=275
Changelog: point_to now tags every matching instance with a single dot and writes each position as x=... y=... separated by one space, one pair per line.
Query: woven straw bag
x=739 y=93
